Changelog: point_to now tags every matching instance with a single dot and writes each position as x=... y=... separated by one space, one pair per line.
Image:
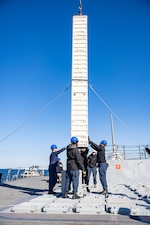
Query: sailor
x=102 y=165
x=74 y=164
x=92 y=168
x=53 y=160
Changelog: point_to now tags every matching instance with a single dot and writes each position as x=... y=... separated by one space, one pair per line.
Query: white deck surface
x=26 y=201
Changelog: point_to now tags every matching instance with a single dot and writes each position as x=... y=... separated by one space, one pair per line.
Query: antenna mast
x=80 y=7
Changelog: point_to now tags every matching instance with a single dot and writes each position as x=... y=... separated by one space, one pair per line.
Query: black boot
x=51 y=192
x=88 y=190
x=66 y=195
x=75 y=196
x=104 y=192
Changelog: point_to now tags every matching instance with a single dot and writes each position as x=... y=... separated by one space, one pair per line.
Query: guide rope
x=36 y=114
x=117 y=117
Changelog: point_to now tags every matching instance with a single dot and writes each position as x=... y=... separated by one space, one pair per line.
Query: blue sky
x=35 y=67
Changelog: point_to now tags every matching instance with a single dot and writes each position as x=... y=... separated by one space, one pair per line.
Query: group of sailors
x=78 y=159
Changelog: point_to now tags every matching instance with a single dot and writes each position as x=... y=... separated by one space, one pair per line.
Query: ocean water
x=13 y=174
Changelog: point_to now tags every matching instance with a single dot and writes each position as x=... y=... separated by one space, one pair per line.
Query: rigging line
x=90 y=86
x=36 y=114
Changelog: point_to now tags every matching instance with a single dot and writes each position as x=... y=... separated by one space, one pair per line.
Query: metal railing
x=126 y=152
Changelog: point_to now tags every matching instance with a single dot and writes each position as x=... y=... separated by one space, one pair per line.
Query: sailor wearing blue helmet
x=74 y=164
x=102 y=164
x=53 y=160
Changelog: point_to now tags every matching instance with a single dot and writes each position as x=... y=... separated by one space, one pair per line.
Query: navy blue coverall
x=52 y=169
x=102 y=164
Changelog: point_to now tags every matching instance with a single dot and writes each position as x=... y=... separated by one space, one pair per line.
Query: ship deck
x=25 y=201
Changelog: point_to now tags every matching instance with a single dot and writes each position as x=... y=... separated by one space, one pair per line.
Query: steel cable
x=36 y=114
x=113 y=113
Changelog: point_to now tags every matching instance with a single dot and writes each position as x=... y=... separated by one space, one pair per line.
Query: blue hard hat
x=53 y=146
x=103 y=142
x=74 y=140
x=59 y=159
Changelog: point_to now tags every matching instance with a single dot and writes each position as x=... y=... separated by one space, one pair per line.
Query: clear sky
x=35 y=69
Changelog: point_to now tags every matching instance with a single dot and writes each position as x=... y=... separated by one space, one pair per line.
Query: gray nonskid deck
x=120 y=201
x=27 y=200
x=27 y=219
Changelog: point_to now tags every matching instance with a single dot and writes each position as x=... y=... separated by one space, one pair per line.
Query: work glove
x=84 y=173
